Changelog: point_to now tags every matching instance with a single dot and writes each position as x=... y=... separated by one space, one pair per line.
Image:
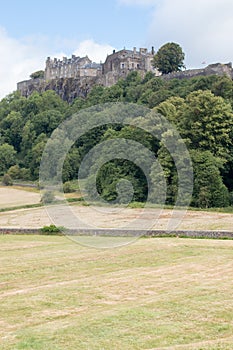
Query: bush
x=7 y=180
x=51 y=230
x=14 y=172
x=48 y=197
x=25 y=174
x=68 y=188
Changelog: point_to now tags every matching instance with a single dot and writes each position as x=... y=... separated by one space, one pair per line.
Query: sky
x=30 y=31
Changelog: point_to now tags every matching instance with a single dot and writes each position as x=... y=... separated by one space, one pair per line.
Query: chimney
x=114 y=51
x=153 y=50
x=134 y=50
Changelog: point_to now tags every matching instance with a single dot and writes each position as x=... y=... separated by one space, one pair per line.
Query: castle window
x=132 y=65
x=122 y=65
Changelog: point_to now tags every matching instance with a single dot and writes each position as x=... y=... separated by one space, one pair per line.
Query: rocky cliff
x=70 y=88
x=67 y=88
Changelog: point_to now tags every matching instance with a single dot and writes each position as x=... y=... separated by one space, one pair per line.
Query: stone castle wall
x=213 y=69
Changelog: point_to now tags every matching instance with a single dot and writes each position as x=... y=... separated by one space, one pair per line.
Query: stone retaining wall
x=128 y=233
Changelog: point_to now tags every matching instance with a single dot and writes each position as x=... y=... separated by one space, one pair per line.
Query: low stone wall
x=18 y=184
x=213 y=69
x=20 y=231
x=128 y=233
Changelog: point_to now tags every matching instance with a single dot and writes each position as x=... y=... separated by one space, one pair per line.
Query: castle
x=83 y=73
x=74 y=77
x=74 y=67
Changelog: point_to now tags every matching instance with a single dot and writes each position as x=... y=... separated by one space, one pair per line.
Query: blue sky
x=32 y=30
x=108 y=22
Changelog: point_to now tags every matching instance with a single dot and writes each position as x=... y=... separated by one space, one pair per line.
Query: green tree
x=71 y=165
x=46 y=121
x=169 y=58
x=207 y=121
x=28 y=139
x=14 y=172
x=37 y=74
x=11 y=127
x=7 y=157
x=209 y=190
x=111 y=94
x=36 y=155
x=223 y=87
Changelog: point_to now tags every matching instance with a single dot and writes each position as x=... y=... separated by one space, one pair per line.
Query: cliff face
x=67 y=88
x=70 y=88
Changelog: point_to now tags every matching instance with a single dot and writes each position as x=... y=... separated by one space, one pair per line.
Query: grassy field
x=159 y=293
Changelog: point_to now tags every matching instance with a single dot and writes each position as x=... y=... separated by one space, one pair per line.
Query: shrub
x=48 y=197
x=7 y=180
x=14 y=172
x=67 y=187
x=51 y=230
x=25 y=174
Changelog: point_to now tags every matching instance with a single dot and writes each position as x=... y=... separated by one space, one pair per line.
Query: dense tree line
x=200 y=108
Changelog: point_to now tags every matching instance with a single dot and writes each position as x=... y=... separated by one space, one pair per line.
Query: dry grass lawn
x=12 y=197
x=164 y=293
x=116 y=218
x=102 y=217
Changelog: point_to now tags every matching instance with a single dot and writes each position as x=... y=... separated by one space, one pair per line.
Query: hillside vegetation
x=200 y=108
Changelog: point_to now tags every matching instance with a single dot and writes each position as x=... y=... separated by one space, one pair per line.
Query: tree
x=37 y=74
x=209 y=190
x=14 y=172
x=36 y=154
x=7 y=157
x=46 y=121
x=11 y=127
x=71 y=165
x=169 y=58
x=207 y=121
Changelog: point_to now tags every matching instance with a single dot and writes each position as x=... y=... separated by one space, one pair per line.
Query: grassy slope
x=154 y=294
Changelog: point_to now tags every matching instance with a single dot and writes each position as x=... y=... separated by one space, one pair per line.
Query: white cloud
x=96 y=52
x=19 y=58
x=202 y=27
